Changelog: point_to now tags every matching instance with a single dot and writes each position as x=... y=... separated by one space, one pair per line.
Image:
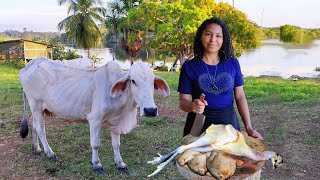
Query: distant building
x=21 y=49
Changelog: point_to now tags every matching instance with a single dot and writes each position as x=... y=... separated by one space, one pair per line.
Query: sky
x=44 y=15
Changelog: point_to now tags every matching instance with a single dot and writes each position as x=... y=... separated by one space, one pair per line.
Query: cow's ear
x=119 y=87
x=161 y=87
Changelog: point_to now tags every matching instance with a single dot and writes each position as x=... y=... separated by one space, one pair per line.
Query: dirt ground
x=290 y=131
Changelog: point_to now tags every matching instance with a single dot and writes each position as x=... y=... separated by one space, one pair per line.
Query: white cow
x=106 y=94
x=84 y=63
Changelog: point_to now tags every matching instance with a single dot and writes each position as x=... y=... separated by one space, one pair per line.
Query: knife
x=198 y=122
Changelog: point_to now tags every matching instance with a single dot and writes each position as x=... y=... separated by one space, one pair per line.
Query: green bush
x=60 y=53
x=162 y=67
x=17 y=64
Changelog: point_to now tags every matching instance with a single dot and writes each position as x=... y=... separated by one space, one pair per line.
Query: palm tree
x=80 y=26
x=131 y=47
x=131 y=42
x=115 y=15
x=117 y=10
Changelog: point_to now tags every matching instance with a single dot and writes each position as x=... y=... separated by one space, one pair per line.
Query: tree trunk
x=88 y=52
x=147 y=53
x=117 y=38
x=182 y=58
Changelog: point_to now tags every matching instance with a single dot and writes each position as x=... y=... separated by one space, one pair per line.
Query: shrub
x=17 y=64
x=162 y=67
x=60 y=53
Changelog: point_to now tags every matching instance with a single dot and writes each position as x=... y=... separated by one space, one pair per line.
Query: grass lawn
x=286 y=113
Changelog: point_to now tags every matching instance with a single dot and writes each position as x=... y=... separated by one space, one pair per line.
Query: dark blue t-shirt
x=198 y=77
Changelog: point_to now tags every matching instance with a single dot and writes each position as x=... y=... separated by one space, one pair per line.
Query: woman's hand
x=253 y=133
x=198 y=105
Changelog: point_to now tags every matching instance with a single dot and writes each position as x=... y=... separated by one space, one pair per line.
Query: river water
x=272 y=58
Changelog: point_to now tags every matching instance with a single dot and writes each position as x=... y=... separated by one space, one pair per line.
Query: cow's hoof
x=99 y=170
x=53 y=158
x=37 y=152
x=124 y=169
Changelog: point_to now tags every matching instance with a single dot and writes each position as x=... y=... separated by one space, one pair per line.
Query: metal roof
x=23 y=40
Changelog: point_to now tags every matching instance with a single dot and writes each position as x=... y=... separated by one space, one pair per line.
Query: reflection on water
x=114 y=53
x=273 y=58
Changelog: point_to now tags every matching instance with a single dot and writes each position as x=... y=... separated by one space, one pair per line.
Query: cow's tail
x=24 y=122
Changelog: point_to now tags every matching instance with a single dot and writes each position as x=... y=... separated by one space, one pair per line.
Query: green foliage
x=296 y=34
x=71 y=54
x=30 y=35
x=95 y=59
x=131 y=41
x=316 y=32
x=308 y=36
x=81 y=26
x=55 y=41
x=162 y=67
x=4 y=37
x=60 y=53
x=244 y=34
x=289 y=33
x=269 y=33
x=117 y=10
x=170 y=26
x=17 y=64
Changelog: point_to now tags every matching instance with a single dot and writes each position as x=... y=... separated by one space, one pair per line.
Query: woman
x=215 y=73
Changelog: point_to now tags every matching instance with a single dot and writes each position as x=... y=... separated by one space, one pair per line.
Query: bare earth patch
x=8 y=151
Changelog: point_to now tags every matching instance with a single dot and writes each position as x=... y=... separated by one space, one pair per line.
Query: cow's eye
x=133 y=82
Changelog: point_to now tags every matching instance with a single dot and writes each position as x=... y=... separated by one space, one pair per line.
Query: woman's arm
x=244 y=112
x=196 y=106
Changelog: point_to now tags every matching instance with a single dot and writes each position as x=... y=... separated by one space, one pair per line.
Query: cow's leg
x=116 y=150
x=95 y=128
x=35 y=140
x=38 y=123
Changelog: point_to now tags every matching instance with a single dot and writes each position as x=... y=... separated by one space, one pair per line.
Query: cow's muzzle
x=150 y=112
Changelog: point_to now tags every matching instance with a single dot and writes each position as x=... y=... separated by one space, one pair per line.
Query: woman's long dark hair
x=226 y=50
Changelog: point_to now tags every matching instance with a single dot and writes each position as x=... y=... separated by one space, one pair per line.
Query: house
x=23 y=49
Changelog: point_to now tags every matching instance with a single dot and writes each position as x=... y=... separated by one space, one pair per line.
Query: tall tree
x=114 y=16
x=80 y=25
x=244 y=34
x=172 y=24
x=131 y=41
x=117 y=10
